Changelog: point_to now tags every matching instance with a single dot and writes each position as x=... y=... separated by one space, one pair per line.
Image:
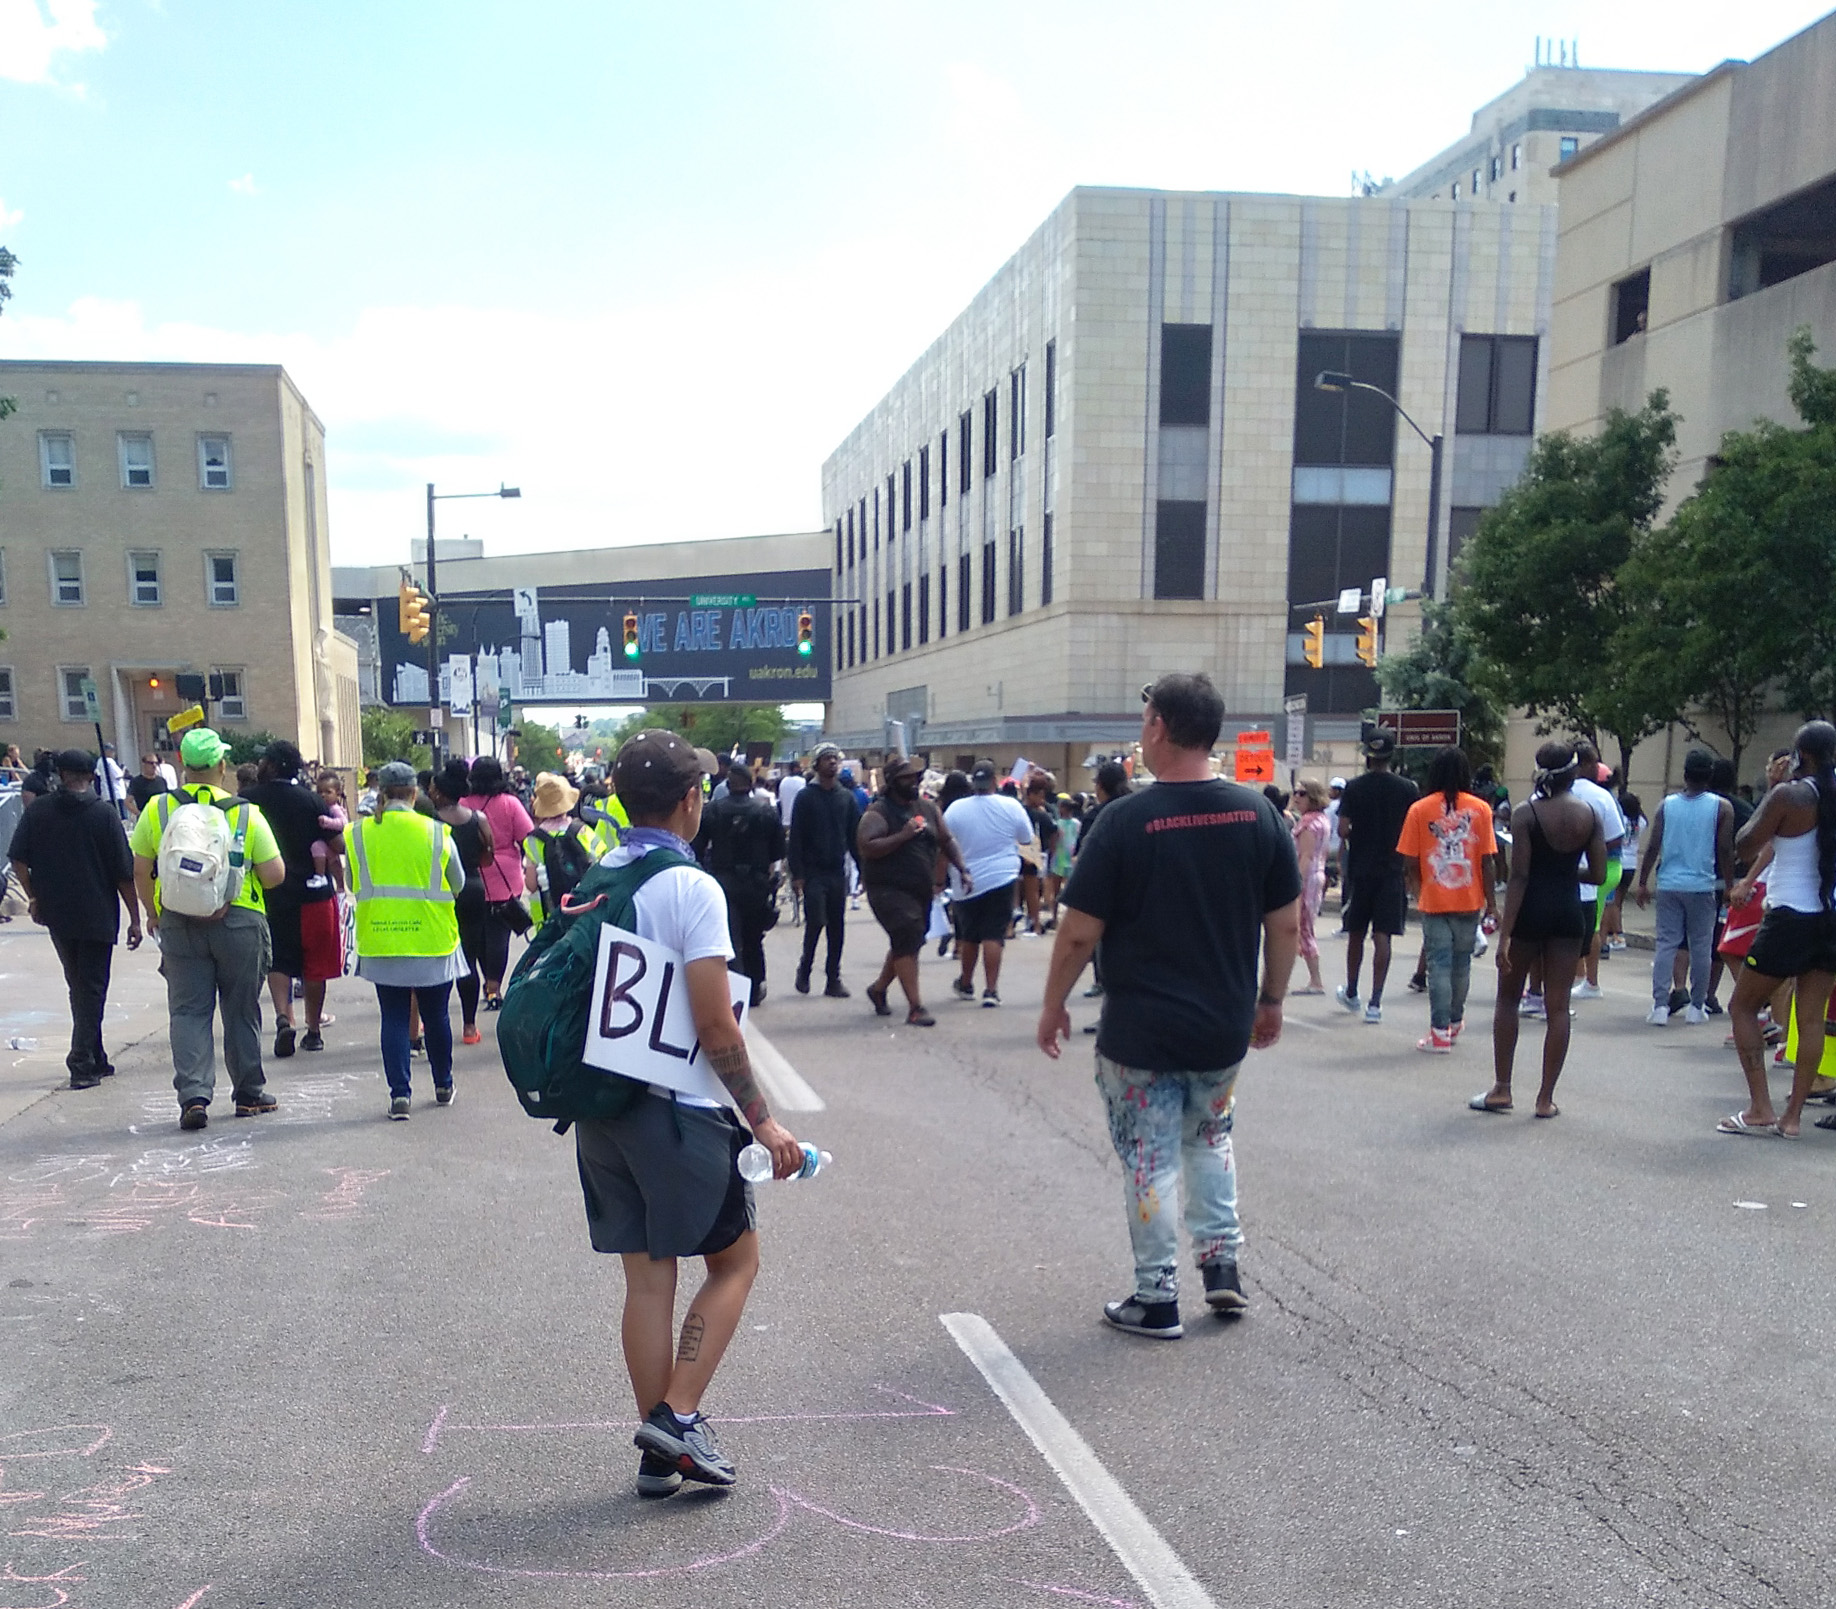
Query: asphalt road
x=321 y=1359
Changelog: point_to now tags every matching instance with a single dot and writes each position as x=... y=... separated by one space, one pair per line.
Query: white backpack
x=201 y=856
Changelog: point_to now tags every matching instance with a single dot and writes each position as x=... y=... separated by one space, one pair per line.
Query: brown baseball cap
x=653 y=771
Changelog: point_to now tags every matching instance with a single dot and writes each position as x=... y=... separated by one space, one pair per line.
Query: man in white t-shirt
x=1613 y=829
x=989 y=828
x=661 y=1180
x=789 y=786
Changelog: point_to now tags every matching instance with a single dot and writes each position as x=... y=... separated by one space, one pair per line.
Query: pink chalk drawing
x=68 y=1573
x=90 y=1511
x=61 y=1441
x=345 y=1198
x=1027 y=1520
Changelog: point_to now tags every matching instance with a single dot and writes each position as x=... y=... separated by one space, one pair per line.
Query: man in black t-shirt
x=1371 y=815
x=148 y=785
x=1182 y=886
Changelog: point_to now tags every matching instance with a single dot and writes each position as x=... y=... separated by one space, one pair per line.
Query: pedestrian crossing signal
x=631 y=636
x=1367 y=639
x=1313 y=649
x=806 y=634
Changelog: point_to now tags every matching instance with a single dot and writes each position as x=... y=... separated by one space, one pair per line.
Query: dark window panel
x=963 y=567
x=838 y=547
x=1045 y=558
x=905 y=475
x=892 y=622
x=1631 y=305
x=1016 y=570
x=1319 y=416
x=988 y=583
x=1185 y=374
x=876 y=519
x=892 y=505
x=924 y=607
x=1313 y=553
x=964 y=458
x=848 y=628
x=1338 y=427
x=1514 y=386
x=876 y=628
x=905 y=617
x=1051 y=390
x=943 y=470
x=1334 y=689
x=1473 y=410
x=1461 y=523
x=1370 y=422
x=1179 y=550
x=1016 y=415
x=991 y=407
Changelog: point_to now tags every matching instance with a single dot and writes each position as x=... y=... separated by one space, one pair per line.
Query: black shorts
x=1590 y=915
x=663 y=1179
x=984 y=919
x=1380 y=902
x=1790 y=943
x=903 y=915
x=283 y=908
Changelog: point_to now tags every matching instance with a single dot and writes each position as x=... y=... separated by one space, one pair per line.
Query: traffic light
x=1367 y=639
x=631 y=636
x=806 y=634
x=417 y=619
x=1314 y=649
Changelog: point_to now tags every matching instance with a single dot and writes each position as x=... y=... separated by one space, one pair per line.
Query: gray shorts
x=662 y=1179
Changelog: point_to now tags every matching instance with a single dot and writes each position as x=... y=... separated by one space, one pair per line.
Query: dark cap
x=653 y=771
x=73 y=762
x=984 y=771
x=1381 y=744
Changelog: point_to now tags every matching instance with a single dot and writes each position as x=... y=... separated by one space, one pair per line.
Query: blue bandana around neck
x=648 y=838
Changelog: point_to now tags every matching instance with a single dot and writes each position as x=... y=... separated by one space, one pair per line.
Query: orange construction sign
x=1256 y=765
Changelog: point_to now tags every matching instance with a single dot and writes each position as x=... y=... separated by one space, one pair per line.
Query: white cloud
x=245 y=186
x=9 y=220
x=33 y=33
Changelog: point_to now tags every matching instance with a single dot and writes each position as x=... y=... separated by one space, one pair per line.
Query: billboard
x=729 y=638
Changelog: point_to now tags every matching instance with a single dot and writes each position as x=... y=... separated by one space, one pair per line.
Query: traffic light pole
x=433 y=637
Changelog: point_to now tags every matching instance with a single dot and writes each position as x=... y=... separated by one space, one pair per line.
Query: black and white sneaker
x=1224 y=1290
x=691 y=1448
x=1157 y=1320
x=657 y=1477
x=443 y=1094
x=399 y=1108
x=990 y=998
x=962 y=991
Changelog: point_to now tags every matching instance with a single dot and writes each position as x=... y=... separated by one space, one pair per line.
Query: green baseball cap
x=201 y=748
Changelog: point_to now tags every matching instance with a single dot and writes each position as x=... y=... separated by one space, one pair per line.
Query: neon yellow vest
x=606 y=836
x=404 y=902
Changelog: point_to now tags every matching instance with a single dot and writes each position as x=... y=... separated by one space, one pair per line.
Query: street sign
x=422 y=739
x=1255 y=740
x=1380 y=592
x=459 y=684
x=1255 y=760
x=92 y=707
x=724 y=600
x=1397 y=594
x=187 y=717
x=506 y=716
x=1295 y=709
x=1422 y=729
x=1351 y=600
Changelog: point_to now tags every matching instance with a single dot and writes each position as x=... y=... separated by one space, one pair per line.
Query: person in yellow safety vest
x=212 y=963
x=560 y=851
x=606 y=824
x=406 y=873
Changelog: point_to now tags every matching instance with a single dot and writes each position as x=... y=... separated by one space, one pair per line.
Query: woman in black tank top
x=1543 y=921
x=472 y=837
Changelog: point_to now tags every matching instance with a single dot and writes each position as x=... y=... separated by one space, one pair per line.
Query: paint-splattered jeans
x=1163 y=1124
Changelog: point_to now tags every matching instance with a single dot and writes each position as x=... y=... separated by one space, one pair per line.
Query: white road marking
x=1129 y=1532
x=784 y=1085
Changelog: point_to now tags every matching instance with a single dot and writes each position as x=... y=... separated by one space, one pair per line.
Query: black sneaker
x=85 y=1081
x=990 y=999
x=283 y=1039
x=962 y=991
x=1157 y=1320
x=835 y=989
x=1224 y=1290
x=1678 y=1001
x=803 y=980
x=1418 y=984
x=399 y=1106
x=657 y=1477
x=691 y=1448
x=312 y=1039
x=255 y=1103
x=443 y=1094
x=194 y=1115
x=417 y=1047
x=1712 y=1006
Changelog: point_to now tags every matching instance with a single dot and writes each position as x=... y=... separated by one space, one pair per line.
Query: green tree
x=1439 y=671
x=389 y=735
x=1538 y=598
x=538 y=747
x=8 y=262
x=247 y=747
x=720 y=727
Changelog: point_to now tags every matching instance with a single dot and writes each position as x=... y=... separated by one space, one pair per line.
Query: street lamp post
x=1336 y=380
x=433 y=602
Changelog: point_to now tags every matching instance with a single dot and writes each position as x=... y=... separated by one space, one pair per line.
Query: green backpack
x=542 y=1028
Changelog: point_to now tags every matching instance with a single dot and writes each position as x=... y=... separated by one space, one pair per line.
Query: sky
x=651 y=263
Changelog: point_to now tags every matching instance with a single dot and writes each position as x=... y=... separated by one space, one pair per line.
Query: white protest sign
x=640 y=1023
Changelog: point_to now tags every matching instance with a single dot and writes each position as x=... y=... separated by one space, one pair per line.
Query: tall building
x=159 y=519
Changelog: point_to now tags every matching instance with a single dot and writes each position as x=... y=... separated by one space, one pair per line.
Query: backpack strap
x=628 y=879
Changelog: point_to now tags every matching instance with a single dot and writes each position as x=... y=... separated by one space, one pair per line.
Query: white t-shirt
x=989 y=828
x=788 y=789
x=684 y=910
x=1606 y=812
x=1332 y=827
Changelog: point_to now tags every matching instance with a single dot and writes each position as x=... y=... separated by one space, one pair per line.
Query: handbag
x=513 y=913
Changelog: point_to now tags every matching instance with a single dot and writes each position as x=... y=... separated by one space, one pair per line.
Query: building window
x=1045 y=563
x=70 y=679
x=1494 y=169
x=9 y=706
x=943 y=470
x=1185 y=374
x=1475 y=181
x=1570 y=145
x=1497 y=386
x=848 y=633
x=991 y=407
x=862 y=550
x=1051 y=390
x=1461 y=523
x=136 y=460
x=943 y=601
x=1790 y=238
x=1456 y=190
x=1512 y=196
x=924 y=483
x=963 y=568
x=231 y=705
x=876 y=519
x=924 y=608
x=905 y=617
x=1016 y=570
x=1016 y=414
x=1631 y=306
x=222 y=590
x=1517 y=157
x=57 y=459
x=892 y=504
x=988 y=583
x=66 y=578
x=964 y=458
x=1179 y=550
x=838 y=547
x=849 y=547
x=905 y=522
x=892 y=622
x=213 y=463
x=143 y=580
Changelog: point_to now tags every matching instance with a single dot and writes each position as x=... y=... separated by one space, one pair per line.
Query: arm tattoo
x=693 y=1327
x=733 y=1067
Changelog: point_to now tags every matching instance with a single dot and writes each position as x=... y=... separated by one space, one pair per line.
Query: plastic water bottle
x=755 y=1164
x=26 y=1042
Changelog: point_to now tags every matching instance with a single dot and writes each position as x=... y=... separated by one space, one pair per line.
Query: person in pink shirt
x=505 y=912
x=1310 y=837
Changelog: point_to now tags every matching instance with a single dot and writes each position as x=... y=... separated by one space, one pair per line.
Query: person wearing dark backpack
x=216 y=959
x=558 y=850
x=660 y=1178
x=742 y=839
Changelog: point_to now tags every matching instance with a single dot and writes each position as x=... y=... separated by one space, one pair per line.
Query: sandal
x=918 y=1017
x=1480 y=1103
x=1736 y=1123
x=878 y=997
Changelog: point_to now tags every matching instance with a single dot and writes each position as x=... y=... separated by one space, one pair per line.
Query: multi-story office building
x=159 y=518
x=1546 y=117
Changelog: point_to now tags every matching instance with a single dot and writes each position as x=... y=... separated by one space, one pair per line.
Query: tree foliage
x=720 y=727
x=389 y=735
x=8 y=262
x=1440 y=671
x=247 y=747
x=538 y=747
